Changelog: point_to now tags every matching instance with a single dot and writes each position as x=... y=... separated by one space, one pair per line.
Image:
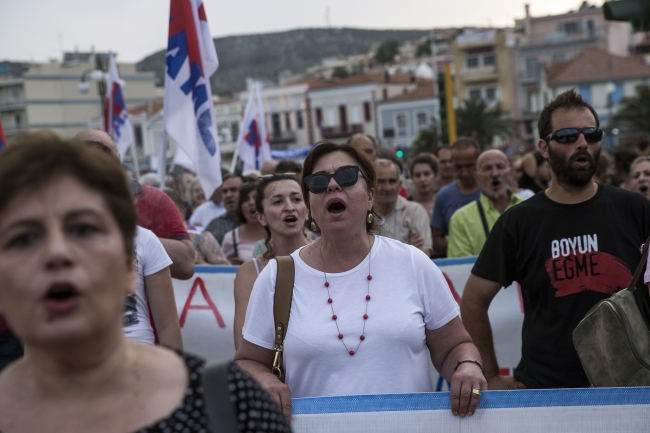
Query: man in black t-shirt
x=568 y=247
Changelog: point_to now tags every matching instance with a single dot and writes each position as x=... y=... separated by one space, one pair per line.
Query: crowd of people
x=87 y=257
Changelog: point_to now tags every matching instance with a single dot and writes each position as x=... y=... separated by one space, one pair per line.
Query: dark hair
x=623 y=157
x=244 y=191
x=325 y=147
x=260 y=191
x=539 y=159
x=424 y=158
x=176 y=198
x=463 y=143
x=567 y=100
x=288 y=166
x=231 y=175
x=40 y=157
x=441 y=148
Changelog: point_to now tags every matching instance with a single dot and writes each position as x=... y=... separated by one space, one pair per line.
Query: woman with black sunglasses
x=366 y=310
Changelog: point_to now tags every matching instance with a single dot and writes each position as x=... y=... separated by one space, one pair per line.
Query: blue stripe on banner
x=489 y=400
x=452 y=262
x=216 y=269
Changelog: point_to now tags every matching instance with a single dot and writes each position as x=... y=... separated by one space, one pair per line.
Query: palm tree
x=476 y=119
x=634 y=111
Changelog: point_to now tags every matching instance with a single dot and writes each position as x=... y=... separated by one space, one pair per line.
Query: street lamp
x=97 y=75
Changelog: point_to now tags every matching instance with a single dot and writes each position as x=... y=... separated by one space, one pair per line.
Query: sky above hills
x=37 y=30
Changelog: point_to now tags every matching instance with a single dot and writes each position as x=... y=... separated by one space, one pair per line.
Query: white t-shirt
x=151 y=257
x=205 y=213
x=408 y=295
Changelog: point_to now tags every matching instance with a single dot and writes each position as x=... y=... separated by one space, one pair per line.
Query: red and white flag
x=253 y=141
x=116 y=118
x=189 y=111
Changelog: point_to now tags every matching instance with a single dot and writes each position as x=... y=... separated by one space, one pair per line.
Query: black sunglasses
x=346 y=176
x=570 y=135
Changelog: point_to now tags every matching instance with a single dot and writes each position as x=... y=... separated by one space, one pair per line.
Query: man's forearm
x=182 y=254
x=477 y=322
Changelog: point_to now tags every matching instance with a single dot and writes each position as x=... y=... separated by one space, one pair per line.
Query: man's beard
x=574 y=178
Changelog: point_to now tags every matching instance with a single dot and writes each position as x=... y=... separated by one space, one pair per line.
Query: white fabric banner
x=253 y=142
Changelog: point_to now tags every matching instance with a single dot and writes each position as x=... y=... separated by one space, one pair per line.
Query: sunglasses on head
x=570 y=135
x=346 y=176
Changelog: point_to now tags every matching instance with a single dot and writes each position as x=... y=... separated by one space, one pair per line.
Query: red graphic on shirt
x=596 y=271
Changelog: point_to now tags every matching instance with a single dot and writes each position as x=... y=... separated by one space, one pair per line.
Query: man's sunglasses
x=346 y=176
x=570 y=135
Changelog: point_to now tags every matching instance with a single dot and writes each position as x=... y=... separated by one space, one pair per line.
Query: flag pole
x=162 y=158
x=136 y=166
x=235 y=155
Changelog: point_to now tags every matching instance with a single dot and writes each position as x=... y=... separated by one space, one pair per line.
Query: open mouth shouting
x=336 y=206
x=290 y=220
x=61 y=297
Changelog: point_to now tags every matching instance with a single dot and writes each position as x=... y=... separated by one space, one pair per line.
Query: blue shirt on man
x=448 y=200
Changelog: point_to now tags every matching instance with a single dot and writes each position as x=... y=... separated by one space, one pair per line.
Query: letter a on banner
x=188 y=304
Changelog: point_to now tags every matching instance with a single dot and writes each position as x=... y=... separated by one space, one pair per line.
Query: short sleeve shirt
x=448 y=200
x=158 y=213
x=408 y=218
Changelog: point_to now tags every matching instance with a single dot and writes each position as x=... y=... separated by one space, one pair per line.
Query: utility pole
x=434 y=66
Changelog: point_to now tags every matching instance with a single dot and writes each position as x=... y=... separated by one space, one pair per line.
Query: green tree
x=427 y=139
x=424 y=49
x=476 y=119
x=634 y=111
x=340 y=72
x=386 y=52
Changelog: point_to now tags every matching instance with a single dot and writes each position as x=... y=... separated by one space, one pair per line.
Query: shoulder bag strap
x=641 y=267
x=281 y=308
x=483 y=219
x=234 y=242
x=218 y=407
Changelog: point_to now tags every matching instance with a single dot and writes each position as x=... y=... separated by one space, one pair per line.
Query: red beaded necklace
x=362 y=337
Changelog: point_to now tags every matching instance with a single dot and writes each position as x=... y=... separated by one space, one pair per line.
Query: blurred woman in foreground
x=67 y=224
x=282 y=212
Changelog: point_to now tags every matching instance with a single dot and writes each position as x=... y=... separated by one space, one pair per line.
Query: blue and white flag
x=253 y=141
x=189 y=111
x=116 y=118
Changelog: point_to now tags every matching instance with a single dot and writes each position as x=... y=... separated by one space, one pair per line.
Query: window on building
x=545 y=98
x=489 y=59
x=389 y=133
x=529 y=127
x=18 y=121
x=234 y=131
x=422 y=119
x=569 y=27
x=491 y=93
x=354 y=111
x=275 y=125
x=330 y=117
x=299 y=123
x=367 y=112
x=400 y=124
x=472 y=62
x=319 y=117
x=287 y=121
x=475 y=94
x=591 y=26
x=384 y=93
x=557 y=57
x=137 y=133
x=617 y=94
x=532 y=67
x=585 y=92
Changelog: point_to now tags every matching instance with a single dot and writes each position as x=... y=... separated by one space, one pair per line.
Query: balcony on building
x=566 y=36
x=279 y=138
x=476 y=39
x=333 y=132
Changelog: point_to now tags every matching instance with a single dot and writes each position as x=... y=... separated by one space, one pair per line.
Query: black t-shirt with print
x=566 y=259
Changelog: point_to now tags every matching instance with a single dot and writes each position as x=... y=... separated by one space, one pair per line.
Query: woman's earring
x=314 y=227
x=369 y=218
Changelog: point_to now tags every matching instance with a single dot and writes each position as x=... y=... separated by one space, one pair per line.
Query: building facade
x=342 y=108
x=47 y=95
x=402 y=117
x=555 y=39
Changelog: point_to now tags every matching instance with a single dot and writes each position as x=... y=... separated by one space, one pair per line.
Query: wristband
x=473 y=362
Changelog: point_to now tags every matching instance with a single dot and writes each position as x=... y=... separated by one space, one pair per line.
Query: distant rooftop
x=596 y=64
